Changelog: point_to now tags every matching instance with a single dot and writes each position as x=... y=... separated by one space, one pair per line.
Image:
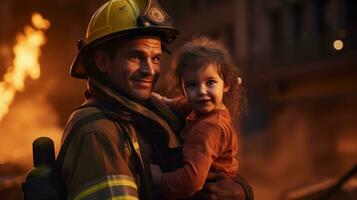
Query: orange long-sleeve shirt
x=210 y=145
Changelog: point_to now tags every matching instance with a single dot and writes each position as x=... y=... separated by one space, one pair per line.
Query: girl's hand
x=162 y=98
x=157 y=96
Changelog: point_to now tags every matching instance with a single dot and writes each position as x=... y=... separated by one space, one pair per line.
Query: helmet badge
x=156 y=15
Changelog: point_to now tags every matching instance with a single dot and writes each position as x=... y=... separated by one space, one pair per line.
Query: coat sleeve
x=202 y=146
x=95 y=167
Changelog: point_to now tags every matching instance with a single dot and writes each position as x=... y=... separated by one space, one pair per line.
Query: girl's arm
x=178 y=104
x=201 y=148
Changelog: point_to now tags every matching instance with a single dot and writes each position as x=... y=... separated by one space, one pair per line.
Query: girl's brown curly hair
x=202 y=51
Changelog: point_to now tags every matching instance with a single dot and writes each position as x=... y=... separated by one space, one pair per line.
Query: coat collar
x=127 y=108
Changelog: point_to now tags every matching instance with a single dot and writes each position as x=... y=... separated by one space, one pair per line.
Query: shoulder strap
x=57 y=171
x=137 y=160
x=79 y=124
x=144 y=182
x=85 y=120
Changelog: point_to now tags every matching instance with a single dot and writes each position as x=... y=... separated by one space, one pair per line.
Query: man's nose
x=147 y=68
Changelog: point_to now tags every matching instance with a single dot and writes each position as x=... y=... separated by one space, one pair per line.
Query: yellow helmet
x=118 y=18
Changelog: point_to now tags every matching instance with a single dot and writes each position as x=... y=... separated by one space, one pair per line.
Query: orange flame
x=27 y=52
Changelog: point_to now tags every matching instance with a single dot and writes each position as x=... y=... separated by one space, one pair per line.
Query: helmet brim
x=167 y=35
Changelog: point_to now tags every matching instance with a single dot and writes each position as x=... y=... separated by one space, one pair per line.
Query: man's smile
x=143 y=82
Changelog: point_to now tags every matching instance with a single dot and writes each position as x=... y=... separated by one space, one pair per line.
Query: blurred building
x=299 y=59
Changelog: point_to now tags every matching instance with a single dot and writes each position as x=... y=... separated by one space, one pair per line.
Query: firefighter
x=111 y=139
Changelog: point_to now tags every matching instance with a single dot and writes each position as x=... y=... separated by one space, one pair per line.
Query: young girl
x=209 y=82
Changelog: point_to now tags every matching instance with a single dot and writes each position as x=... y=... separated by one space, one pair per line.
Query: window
x=297 y=22
x=276 y=28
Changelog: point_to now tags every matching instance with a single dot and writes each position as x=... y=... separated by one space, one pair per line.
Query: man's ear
x=101 y=60
x=226 y=87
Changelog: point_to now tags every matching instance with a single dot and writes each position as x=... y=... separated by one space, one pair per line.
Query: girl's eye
x=211 y=82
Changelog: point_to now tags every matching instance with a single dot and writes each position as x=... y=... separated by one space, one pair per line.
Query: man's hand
x=219 y=186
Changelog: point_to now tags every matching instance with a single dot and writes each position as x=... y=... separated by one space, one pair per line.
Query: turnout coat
x=111 y=141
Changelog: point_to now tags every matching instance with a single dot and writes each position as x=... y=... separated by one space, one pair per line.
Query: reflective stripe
x=120 y=185
x=124 y=197
x=113 y=192
x=134 y=139
x=136 y=146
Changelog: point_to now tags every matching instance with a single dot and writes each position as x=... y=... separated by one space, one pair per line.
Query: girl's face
x=204 y=88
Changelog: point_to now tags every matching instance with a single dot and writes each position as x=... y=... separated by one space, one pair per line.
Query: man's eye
x=135 y=58
x=156 y=60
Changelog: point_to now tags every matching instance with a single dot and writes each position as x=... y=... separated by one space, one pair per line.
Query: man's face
x=135 y=67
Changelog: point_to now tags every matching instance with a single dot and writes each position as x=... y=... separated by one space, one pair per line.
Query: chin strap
x=247 y=188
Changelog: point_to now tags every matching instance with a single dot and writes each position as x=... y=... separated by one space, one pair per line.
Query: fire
x=27 y=52
x=33 y=116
